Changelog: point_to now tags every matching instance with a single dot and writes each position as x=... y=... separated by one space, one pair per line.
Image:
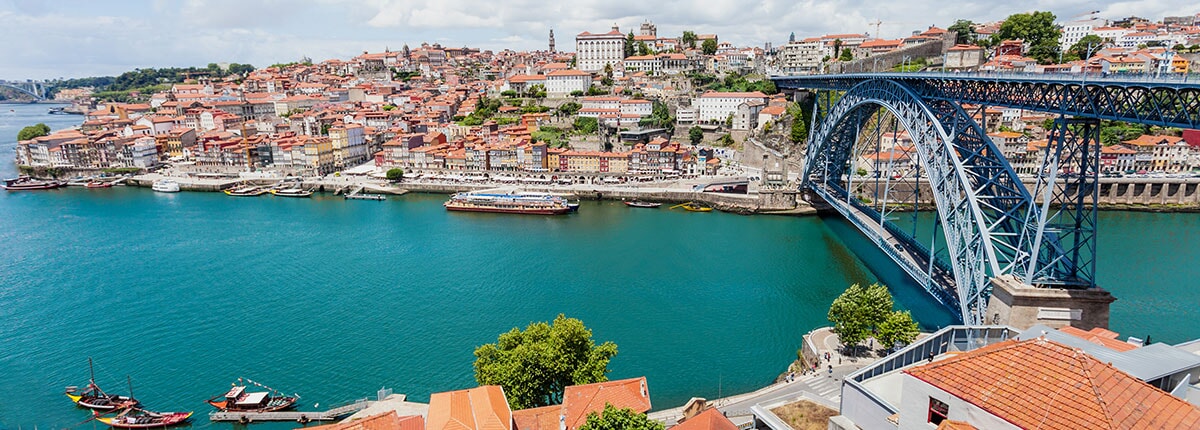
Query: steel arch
x=22 y=88
x=980 y=201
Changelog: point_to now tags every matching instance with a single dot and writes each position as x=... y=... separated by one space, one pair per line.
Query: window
x=938 y=411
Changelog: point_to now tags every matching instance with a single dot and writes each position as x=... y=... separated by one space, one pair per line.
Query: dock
x=296 y=416
x=357 y=194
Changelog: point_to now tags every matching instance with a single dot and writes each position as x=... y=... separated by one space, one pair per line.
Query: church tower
x=551 y=40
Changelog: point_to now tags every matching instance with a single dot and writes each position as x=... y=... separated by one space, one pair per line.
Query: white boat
x=165 y=186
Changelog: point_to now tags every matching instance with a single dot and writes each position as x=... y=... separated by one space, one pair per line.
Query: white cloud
x=60 y=39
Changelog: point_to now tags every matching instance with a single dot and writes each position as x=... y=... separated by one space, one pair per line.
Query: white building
x=1075 y=30
x=594 y=51
x=143 y=153
x=801 y=57
x=714 y=106
x=560 y=82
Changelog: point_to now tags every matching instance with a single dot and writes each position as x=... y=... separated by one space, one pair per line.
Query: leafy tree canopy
x=709 y=47
x=619 y=419
x=395 y=174
x=858 y=311
x=898 y=327
x=1035 y=28
x=33 y=131
x=535 y=365
x=964 y=31
x=695 y=135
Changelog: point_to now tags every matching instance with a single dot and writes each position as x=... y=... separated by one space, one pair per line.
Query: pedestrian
x=830 y=370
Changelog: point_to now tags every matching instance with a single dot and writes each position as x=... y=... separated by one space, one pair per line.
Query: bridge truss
x=988 y=222
x=35 y=89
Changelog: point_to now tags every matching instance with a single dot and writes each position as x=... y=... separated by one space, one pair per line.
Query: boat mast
x=130 y=382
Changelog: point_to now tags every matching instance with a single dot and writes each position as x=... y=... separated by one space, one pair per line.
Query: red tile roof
x=1043 y=384
x=580 y=400
x=1099 y=335
x=710 y=419
x=480 y=408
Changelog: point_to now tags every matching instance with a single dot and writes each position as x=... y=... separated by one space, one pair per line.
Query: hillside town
x=633 y=104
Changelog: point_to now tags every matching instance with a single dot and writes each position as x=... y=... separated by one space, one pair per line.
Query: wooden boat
x=292 y=192
x=92 y=397
x=692 y=207
x=246 y=191
x=641 y=204
x=238 y=400
x=98 y=184
x=135 y=418
x=25 y=183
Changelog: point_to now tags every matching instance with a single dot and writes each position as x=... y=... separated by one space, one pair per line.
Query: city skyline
x=79 y=39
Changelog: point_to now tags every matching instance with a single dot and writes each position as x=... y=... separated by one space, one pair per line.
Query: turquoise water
x=335 y=299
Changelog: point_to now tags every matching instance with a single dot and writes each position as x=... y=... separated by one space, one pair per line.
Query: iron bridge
x=988 y=222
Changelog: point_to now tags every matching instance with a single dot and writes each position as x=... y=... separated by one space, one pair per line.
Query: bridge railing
x=1166 y=78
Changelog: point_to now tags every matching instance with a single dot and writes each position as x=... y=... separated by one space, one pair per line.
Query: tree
x=569 y=108
x=629 y=45
x=964 y=31
x=800 y=115
x=1086 y=46
x=709 y=47
x=847 y=55
x=898 y=327
x=535 y=366
x=726 y=140
x=33 y=131
x=858 y=311
x=642 y=49
x=619 y=419
x=837 y=45
x=688 y=39
x=608 y=71
x=695 y=134
x=586 y=125
x=576 y=93
x=508 y=93
x=1038 y=30
x=395 y=175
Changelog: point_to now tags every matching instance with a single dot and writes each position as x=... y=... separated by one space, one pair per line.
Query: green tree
x=395 y=175
x=569 y=108
x=535 y=366
x=1087 y=45
x=726 y=140
x=858 y=311
x=586 y=125
x=709 y=47
x=576 y=93
x=629 y=45
x=642 y=49
x=964 y=31
x=508 y=93
x=608 y=71
x=619 y=419
x=898 y=327
x=799 y=130
x=688 y=39
x=695 y=134
x=33 y=131
x=847 y=55
x=837 y=45
x=1038 y=30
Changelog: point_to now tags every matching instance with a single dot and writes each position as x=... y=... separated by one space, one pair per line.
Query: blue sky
x=70 y=38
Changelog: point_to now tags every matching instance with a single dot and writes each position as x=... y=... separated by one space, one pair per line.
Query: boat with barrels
x=237 y=399
x=92 y=397
x=136 y=418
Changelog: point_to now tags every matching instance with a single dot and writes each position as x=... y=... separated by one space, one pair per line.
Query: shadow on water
x=930 y=314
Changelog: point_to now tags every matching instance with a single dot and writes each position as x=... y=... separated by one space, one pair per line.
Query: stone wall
x=932 y=50
x=1114 y=192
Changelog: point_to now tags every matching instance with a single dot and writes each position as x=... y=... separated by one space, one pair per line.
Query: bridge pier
x=1021 y=306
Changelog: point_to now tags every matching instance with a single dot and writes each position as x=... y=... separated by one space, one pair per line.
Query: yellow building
x=318 y=155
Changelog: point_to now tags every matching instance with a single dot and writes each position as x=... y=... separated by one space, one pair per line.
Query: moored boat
x=508 y=202
x=25 y=183
x=165 y=186
x=641 y=204
x=246 y=191
x=92 y=397
x=98 y=184
x=692 y=207
x=135 y=418
x=237 y=399
x=292 y=192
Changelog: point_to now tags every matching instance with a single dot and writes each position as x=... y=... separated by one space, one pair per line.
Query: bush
x=576 y=93
x=395 y=175
x=33 y=131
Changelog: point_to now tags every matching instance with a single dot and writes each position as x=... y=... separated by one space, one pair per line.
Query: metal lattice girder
x=980 y=202
x=1164 y=103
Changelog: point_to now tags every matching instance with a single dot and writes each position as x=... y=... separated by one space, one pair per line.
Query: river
x=334 y=299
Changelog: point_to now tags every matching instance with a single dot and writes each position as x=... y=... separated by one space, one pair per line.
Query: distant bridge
x=35 y=89
x=987 y=222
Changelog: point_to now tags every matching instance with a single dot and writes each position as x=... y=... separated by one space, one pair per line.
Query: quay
x=297 y=416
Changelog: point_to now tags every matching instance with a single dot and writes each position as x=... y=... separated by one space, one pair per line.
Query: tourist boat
x=25 y=183
x=641 y=204
x=361 y=196
x=135 y=418
x=92 y=397
x=692 y=207
x=514 y=202
x=292 y=192
x=165 y=186
x=238 y=400
x=246 y=191
x=98 y=184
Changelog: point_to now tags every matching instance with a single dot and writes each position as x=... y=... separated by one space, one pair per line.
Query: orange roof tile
x=1099 y=335
x=579 y=400
x=480 y=408
x=710 y=419
x=955 y=425
x=1043 y=384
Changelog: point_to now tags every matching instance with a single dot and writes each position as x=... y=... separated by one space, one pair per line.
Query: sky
x=44 y=39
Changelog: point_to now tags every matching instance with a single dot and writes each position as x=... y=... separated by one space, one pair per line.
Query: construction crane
x=877 y=23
